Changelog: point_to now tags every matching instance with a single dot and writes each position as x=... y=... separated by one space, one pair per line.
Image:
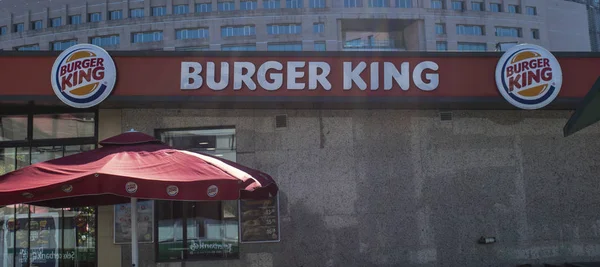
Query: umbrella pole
x=134 y=235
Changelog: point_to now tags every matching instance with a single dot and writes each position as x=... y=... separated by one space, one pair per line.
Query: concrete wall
x=403 y=188
x=109 y=124
x=563 y=16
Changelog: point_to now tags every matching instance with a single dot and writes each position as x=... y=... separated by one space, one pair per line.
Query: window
x=477 y=6
x=271 y=4
x=51 y=137
x=320 y=46
x=294 y=4
x=55 y=22
x=75 y=19
x=285 y=47
x=194 y=48
x=181 y=9
x=95 y=17
x=136 y=13
x=115 y=15
x=62 y=45
x=275 y=29
x=316 y=3
x=238 y=48
x=437 y=4
x=318 y=27
x=226 y=6
x=495 y=7
x=441 y=46
x=231 y=31
x=248 y=5
x=211 y=226
x=352 y=3
x=197 y=33
x=146 y=37
x=535 y=34
x=158 y=11
x=36 y=25
x=469 y=30
x=440 y=29
x=531 y=10
x=19 y=27
x=472 y=47
x=3 y=30
x=508 y=31
x=379 y=3
x=33 y=47
x=458 y=5
x=203 y=8
x=514 y=9
x=104 y=41
x=404 y=3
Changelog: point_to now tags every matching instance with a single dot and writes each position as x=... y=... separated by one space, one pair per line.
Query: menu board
x=259 y=220
x=145 y=223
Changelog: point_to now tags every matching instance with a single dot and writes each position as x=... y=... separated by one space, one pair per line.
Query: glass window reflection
x=63 y=125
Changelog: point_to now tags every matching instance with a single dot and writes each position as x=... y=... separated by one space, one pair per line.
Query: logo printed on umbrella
x=131 y=187
x=83 y=75
x=212 y=190
x=172 y=190
x=28 y=195
x=67 y=188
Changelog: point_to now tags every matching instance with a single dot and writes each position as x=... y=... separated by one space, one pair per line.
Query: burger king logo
x=131 y=187
x=83 y=75
x=172 y=190
x=212 y=191
x=528 y=76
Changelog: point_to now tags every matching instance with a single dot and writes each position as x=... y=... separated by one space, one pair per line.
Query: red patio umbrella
x=128 y=167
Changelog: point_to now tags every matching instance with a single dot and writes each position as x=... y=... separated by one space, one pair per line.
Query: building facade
x=294 y=25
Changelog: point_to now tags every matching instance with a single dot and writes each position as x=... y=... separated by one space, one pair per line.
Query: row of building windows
x=182 y=34
x=463 y=46
x=479 y=30
x=253 y=4
x=480 y=6
x=162 y=10
x=112 y=40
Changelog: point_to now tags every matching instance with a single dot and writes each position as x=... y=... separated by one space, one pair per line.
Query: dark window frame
x=185 y=205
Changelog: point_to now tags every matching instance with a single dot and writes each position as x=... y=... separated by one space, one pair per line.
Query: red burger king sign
x=528 y=76
x=83 y=75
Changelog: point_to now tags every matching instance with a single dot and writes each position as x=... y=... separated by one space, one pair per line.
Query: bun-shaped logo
x=528 y=76
x=83 y=75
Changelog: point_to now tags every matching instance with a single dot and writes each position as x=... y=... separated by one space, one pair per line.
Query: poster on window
x=42 y=250
x=259 y=220
x=145 y=223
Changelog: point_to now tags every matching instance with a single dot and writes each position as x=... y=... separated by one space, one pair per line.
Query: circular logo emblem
x=27 y=195
x=212 y=190
x=131 y=187
x=83 y=75
x=528 y=76
x=172 y=190
x=67 y=188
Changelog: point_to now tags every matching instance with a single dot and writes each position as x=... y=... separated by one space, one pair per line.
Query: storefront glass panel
x=37 y=236
x=47 y=126
x=13 y=128
x=211 y=228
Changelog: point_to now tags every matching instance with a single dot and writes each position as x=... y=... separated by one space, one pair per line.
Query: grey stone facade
x=403 y=188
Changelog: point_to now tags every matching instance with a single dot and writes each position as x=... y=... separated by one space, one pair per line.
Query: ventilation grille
x=281 y=121
x=445 y=116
